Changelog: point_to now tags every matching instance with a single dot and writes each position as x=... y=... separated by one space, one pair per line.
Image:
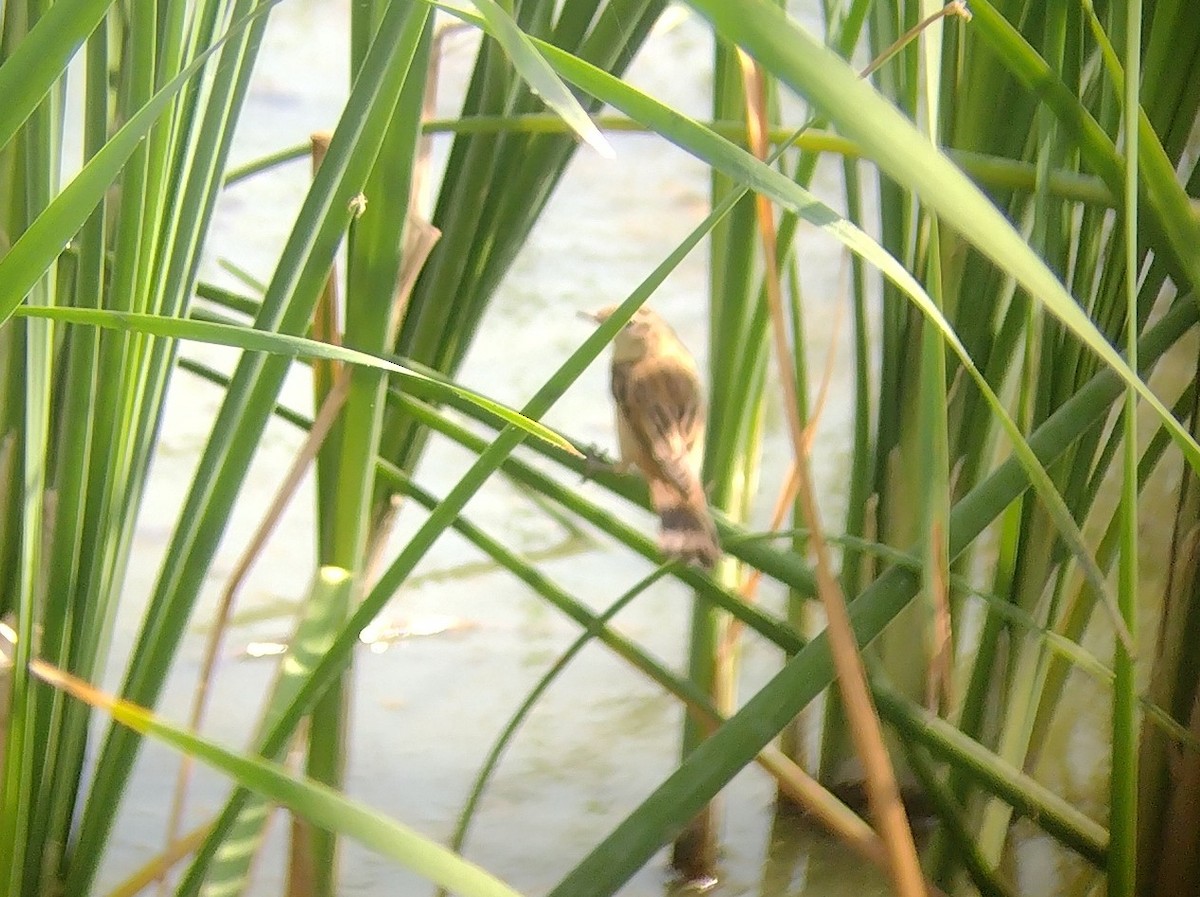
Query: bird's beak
x=592 y=316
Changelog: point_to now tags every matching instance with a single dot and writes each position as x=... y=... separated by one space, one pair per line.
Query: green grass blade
x=595 y=630
x=1054 y=813
x=321 y=616
x=443 y=517
x=321 y=806
x=732 y=747
x=37 y=248
x=532 y=66
x=748 y=170
x=287 y=307
x=1123 y=783
x=887 y=137
x=1167 y=204
x=251 y=340
x=783 y=566
x=21 y=773
x=18 y=772
x=41 y=58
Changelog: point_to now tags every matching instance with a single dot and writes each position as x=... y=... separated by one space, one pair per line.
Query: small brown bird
x=660 y=429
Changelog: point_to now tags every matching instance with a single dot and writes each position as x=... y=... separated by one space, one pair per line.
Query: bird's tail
x=688 y=532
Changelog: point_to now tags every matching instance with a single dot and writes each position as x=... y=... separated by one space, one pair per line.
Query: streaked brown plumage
x=660 y=429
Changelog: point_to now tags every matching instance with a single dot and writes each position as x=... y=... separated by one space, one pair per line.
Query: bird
x=660 y=430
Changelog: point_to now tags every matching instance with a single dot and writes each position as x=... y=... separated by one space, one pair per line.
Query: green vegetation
x=1020 y=215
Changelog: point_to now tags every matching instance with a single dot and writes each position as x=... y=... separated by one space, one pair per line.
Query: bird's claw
x=597 y=460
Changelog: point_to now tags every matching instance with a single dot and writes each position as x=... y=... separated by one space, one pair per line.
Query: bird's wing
x=661 y=400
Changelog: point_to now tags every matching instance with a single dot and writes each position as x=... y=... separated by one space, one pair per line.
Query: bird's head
x=643 y=333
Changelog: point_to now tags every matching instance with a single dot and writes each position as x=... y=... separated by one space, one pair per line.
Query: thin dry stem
x=939 y=685
x=331 y=385
x=791 y=484
x=159 y=866
x=805 y=791
x=321 y=427
x=287 y=490
x=301 y=881
x=326 y=319
x=883 y=792
x=953 y=8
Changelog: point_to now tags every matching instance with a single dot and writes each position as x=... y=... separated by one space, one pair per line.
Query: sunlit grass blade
x=320 y=805
x=441 y=518
x=715 y=762
x=287 y=307
x=36 y=249
x=1123 y=798
x=320 y=618
x=41 y=58
x=754 y=174
x=532 y=67
x=1167 y=207
x=252 y=340
x=891 y=141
